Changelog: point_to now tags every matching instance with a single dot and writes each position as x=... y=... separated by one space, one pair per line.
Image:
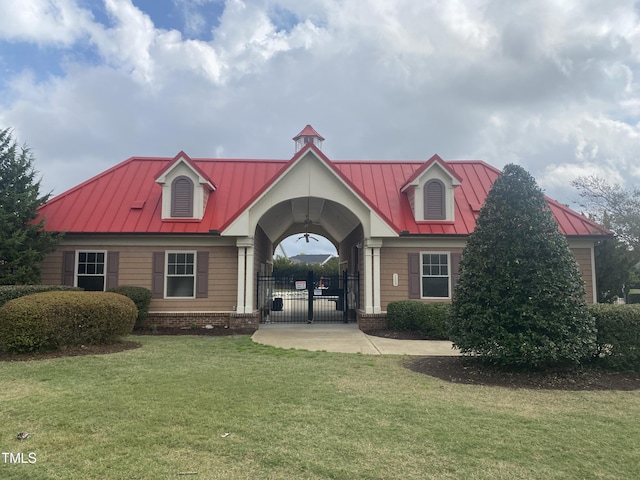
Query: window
x=181 y=278
x=90 y=270
x=182 y=197
x=434 y=201
x=435 y=275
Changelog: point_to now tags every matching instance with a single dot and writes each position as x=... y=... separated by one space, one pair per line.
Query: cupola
x=308 y=135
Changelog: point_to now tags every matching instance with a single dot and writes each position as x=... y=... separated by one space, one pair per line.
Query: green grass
x=161 y=411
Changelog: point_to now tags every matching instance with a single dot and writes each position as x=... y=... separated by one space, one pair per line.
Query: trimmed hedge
x=141 y=297
x=430 y=319
x=51 y=320
x=9 y=292
x=618 y=338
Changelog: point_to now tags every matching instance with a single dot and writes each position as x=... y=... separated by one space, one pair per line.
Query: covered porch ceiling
x=315 y=215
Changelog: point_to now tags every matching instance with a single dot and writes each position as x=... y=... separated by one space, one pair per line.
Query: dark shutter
x=182 y=197
x=68 y=268
x=434 y=204
x=113 y=261
x=455 y=269
x=414 y=275
x=202 y=275
x=157 y=280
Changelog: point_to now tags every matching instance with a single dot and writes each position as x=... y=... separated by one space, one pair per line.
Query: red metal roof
x=425 y=166
x=127 y=199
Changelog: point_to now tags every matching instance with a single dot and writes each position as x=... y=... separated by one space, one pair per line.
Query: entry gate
x=319 y=299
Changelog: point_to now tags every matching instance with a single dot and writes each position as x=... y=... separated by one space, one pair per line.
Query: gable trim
x=273 y=181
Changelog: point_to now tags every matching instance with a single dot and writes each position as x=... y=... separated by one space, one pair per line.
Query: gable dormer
x=430 y=191
x=185 y=189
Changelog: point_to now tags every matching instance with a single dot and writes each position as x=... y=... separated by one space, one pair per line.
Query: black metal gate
x=317 y=299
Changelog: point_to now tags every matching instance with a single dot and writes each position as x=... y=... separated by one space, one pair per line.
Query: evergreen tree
x=520 y=297
x=614 y=266
x=618 y=209
x=23 y=241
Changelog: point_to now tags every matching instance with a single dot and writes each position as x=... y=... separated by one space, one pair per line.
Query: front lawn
x=224 y=407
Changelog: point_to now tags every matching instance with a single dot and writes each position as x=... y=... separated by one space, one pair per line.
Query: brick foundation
x=230 y=320
x=372 y=321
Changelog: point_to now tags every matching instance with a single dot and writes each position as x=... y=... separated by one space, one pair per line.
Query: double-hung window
x=435 y=275
x=90 y=270
x=181 y=276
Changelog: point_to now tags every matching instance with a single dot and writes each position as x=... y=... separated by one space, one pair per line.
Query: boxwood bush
x=618 y=337
x=9 y=292
x=51 y=320
x=141 y=297
x=430 y=319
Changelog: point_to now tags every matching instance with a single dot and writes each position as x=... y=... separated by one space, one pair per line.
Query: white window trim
x=166 y=272
x=77 y=263
x=448 y=254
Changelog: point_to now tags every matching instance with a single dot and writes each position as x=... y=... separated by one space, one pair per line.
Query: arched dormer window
x=434 y=200
x=182 y=197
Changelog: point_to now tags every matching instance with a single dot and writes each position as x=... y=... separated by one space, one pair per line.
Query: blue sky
x=552 y=86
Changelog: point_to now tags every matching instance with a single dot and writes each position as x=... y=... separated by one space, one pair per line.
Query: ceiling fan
x=307 y=222
x=307 y=236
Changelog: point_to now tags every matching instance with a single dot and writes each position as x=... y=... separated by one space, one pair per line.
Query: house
x=199 y=232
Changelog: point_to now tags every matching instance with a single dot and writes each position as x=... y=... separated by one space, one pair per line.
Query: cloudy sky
x=549 y=84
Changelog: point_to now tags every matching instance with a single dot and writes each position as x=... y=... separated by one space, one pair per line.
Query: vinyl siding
x=583 y=257
x=395 y=260
x=135 y=268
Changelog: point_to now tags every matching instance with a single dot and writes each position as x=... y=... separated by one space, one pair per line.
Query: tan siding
x=52 y=268
x=135 y=269
x=583 y=257
x=395 y=260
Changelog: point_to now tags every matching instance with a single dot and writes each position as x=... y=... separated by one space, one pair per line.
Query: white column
x=372 y=275
x=250 y=286
x=368 y=279
x=376 y=279
x=245 y=275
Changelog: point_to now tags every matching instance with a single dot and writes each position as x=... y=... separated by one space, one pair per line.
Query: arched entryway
x=307 y=294
x=310 y=196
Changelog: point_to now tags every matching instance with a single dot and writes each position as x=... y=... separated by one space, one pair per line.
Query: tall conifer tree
x=23 y=241
x=520 y=297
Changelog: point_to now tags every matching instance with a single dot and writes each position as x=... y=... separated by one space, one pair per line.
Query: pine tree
x=23 y=241
x=520 y=297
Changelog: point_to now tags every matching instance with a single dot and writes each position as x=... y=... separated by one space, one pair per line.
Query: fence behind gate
x=320 y=299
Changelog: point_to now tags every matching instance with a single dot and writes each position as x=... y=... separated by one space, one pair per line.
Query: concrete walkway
x=345 y=338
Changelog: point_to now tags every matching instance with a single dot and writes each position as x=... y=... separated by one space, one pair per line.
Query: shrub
x=430 y=319
x=9 y=292
x=519 y=300
x=618 y=335
x=141 y=297
x=51 y=320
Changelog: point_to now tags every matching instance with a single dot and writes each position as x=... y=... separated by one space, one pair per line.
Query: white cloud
x=550 y=85
x=40 y=21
